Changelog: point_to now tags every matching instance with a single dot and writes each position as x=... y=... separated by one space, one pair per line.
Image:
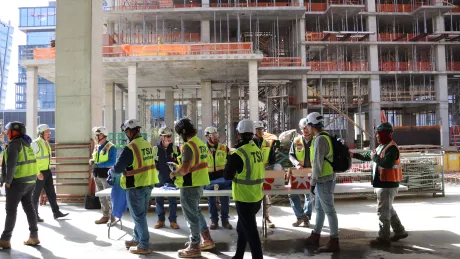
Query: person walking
x=245 y=167
x=42 y=151
x=323 y=180
x=386 y=175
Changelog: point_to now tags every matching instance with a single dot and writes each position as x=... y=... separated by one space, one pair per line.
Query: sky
x=9 y=12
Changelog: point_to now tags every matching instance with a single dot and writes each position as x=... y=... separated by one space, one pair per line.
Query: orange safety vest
x=390 y=174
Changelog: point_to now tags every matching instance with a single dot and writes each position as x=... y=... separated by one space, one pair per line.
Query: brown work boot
x=131 y=243
x=174 y=225
x=226 y=225
x=313 y=239
x=269 y=223
x=304 y=220
x=102 y=220
x=5 y=244
x=214 y=225
x=191 y=251
x=207 y=242
x=398 y=236
x=139 y=251
x=331 y=246
x=32 y=241
x=159 y=224
x=380 y=242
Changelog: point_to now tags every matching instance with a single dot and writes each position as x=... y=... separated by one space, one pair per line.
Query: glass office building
x=6 y=41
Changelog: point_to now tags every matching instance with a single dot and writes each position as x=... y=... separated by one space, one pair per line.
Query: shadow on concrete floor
x=74 y=234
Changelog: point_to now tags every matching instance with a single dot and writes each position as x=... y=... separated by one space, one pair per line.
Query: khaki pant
x=106 y=206
x=387 y=215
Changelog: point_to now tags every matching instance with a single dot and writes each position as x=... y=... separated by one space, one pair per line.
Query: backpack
x=341 y=157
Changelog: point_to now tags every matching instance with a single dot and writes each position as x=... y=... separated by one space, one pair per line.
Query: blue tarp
x=118 y=197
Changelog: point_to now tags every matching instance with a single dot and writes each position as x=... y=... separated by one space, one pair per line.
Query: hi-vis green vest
x=217 y=162
x=247 y=185
x=102 y=156
x=265 y=147
x=299 y=149
x=44 y=154
x=142 y=172
x=198 y=175
x=327 y=167
x=26 y=165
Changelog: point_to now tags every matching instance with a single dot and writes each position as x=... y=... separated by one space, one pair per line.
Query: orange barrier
x=281 y=62
x=154 y=38
x=45 y=53
x=316 y=7
x=453 y=66
x=280 y=4
x=456 y=9
x=406 y=66
x=385 y=36
x=338 y=66
x=398 y=8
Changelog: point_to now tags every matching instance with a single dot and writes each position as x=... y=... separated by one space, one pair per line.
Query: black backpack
x=341 y=157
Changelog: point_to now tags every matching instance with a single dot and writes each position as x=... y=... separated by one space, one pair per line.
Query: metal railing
x=281 y=62
x=338 y=66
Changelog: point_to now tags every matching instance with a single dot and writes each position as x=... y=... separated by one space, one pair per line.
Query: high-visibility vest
x=389 y=174
x=26 y=165
x=44 y=154
x=266 y=147
x=142 y=172
x=216 y=162
x=247 y=185
x=299 y=149
x=198 y=175
x=103 y=155
x=327 y=167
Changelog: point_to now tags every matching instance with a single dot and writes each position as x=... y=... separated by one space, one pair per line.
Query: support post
x=253 y=91
x=132 y=92
x=31 y=101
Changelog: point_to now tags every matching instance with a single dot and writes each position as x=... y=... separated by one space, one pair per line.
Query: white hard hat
x=100 y=130
x=258 y=124
x=130 y=124
x=303 y=123
x=209 y=130
x=314 y=118
x=42 y=127
x=165 y=131
x=245 y=126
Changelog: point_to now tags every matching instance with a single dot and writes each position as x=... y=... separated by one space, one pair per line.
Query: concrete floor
x=433 y=225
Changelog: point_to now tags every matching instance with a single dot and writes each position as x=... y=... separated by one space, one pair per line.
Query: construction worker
x=42 y=151
x=191 y=176
x=245 y=167
x=165 y=151
x=19 y=174
x=269 y=153
x=299 y=155
x=217 y=156
x=386 y=175
x=323 y=180
x=137 y=166
x=104 y=157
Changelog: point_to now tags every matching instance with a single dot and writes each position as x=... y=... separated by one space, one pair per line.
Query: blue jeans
x=325 y=206
x=296 y=205
x=138 y=201
x=160 y=208
x=190 y=201
x=224 y=200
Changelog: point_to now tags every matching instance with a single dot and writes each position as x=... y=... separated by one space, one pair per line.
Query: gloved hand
x=110 y=177
x=312 y=189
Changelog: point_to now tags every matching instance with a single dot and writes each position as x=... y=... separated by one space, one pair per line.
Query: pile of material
x=421 y=173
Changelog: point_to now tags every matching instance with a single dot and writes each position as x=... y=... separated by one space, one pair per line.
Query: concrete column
x=350 y=137
x=169 y=109
x=132 y=92
x=442 y=108
x=142 y=113
x=301 y=99
x=222 y=122
x=206 y=104
x=234 y=114
x=118 y=108
x=204 y=3
x=303 y=50
x=79 y=84
x=31 y=101
x=126 y=102
x=109 y=107
x=374 y=106
x=301 y=3
x=253 y=91
x=205 y=31
x=191 y=110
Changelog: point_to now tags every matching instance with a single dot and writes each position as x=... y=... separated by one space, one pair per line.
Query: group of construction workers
x=200 y=166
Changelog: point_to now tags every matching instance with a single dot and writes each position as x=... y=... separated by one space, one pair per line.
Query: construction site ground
x=432 y=223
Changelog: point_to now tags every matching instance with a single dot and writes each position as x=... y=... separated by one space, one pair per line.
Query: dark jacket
x=165 y=155
x=13 y=149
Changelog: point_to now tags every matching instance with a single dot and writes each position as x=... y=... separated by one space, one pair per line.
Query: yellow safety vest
x=247 y=185
x=266 y=147
x=299 y=149
x=198 y=175
x=217 y=162
x=327 y=167
x=102 y=156
x=142 y=172
x=44 y=154
x=26 y=165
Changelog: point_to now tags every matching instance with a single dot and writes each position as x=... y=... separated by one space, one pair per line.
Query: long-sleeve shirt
x=165 y=155
x=112 y=156
x=388 y=161
x=322 y=148
x=234 y=165
x=13 y=149
x=272 y=154
x=124 y=161
x=293 y=157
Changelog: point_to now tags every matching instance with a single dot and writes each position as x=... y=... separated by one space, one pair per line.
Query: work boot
x=380 y=242
x=59 y=214
x=304 y=220
x=191 y=251
x=131 y=243
x=207 y=242
x=40 y=219
x=139 y=251
x=5 y=244
x=102 y=220
x=159 y=224
x=313 y=239
x=331 y=246
x=32 y=241
x=398 y=236
x=269 y=223
x=174 y=225
x=226 y=225
x=214 y=225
